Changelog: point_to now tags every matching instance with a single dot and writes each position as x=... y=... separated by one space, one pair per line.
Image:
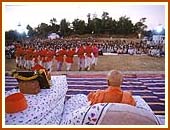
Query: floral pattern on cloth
x=77 y=111
x=74 y=103
x=41 y=107
x=53 y=117
x=87 y=115
x=95 y=114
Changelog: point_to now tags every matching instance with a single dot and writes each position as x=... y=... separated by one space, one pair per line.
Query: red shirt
x=18 y=52
x=50 y=55
x=43 y=53
x=26 y=56
x=37 y=67
x=60 y=55
x=95 y=51
x=81 y=52
x=35 y=54
x=70 y=55
x=88 y=51
x=29 y=52
x=36 y=60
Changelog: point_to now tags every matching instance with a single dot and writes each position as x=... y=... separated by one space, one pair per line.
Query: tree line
x=105 y=25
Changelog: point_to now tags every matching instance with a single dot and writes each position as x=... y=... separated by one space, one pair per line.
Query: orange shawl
x=111 y=95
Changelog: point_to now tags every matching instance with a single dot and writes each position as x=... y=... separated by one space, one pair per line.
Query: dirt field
x=118 y=62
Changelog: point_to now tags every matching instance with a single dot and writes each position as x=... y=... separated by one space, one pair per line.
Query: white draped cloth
x=44 y=108
x=77 y=111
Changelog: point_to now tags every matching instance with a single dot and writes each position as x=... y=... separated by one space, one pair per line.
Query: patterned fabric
x=86 y=115
x=43 y=106
x=95 y=114
x=74 y=103
x=54 y=116
x=77 y=111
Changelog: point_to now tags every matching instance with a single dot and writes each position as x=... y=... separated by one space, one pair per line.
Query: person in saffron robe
x=114 y=93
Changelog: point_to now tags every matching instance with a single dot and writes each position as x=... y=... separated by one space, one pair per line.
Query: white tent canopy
x=53 y=36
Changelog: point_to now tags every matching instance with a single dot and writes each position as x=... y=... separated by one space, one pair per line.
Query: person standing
x=69 y=58
x=88 y=56
x=60 y=58
x=94 y=56
x=18 y=54
x=44 y=57
x=81 y=57
x=51 y=54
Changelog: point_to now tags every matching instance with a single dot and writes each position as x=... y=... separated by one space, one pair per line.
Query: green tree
x=93 y=25
x=89 y=17
x=79 y=26
x=96 y=25
x=140 y=26
x=107 y=23
x=11 y=35
x=64 y=27
x=54 y=26
x=89 y=26
x=114 y=27
x=124 y=26
x=43 y=30
x=31 y=31
x=105 y=15
x=53 y=21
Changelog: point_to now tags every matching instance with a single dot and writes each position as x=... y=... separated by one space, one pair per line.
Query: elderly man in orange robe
x=114 y=93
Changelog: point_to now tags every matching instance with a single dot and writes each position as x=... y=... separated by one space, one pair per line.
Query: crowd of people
x=44 y=52
x=133 y=48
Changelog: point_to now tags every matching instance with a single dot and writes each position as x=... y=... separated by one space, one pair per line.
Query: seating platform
x=46 y=108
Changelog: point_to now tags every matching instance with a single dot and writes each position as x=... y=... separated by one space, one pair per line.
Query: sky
x=36 y=13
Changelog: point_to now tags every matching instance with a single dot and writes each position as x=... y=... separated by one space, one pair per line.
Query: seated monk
x=114 y=93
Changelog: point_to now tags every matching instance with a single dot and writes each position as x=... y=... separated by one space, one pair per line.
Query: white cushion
x=123 y=114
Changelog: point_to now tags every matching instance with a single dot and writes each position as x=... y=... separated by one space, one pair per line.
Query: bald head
x=114 y=78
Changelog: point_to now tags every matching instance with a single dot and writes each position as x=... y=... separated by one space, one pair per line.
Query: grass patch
x=118 y=62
